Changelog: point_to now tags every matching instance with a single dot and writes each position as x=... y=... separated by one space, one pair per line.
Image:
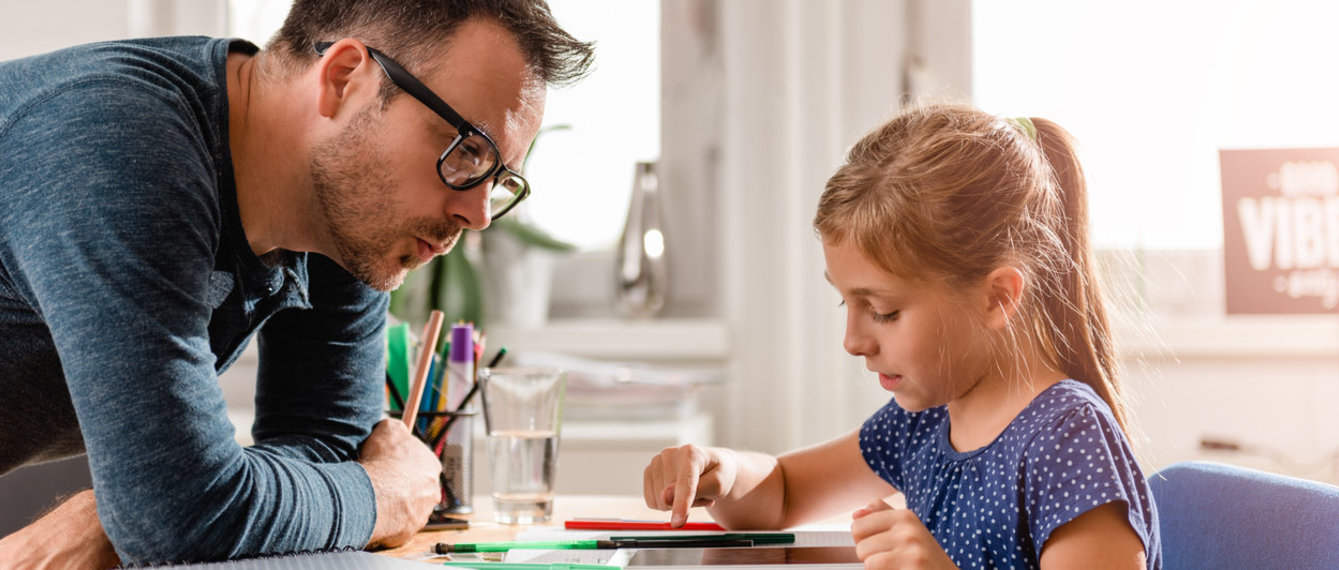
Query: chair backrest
x=1221 y=516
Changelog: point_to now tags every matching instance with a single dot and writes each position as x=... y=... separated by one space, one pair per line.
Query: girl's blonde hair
x=949 y=192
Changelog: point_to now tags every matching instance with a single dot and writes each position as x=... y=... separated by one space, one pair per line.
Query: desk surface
x=483 y=529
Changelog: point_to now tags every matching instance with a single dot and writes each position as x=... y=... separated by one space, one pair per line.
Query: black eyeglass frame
x=416 y=89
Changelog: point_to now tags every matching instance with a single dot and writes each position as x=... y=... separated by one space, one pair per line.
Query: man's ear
x=1004 y=293
x=344 y=74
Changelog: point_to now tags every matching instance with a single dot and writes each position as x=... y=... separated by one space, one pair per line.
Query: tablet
x=439 y=520
x=755 y=556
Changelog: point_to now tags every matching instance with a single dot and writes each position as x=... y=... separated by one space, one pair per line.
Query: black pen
x=396 y=398
x=756 y=537
x=497 y=357
x=681 y=543
x=470 y=395
x=446 y=548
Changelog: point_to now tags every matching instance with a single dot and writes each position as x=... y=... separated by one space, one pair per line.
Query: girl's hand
x=888 y=538
x=687 y=476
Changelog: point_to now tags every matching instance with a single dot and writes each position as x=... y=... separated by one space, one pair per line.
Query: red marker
x=623 y=524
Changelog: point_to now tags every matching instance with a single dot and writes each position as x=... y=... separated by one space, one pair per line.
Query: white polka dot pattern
x=994 y=507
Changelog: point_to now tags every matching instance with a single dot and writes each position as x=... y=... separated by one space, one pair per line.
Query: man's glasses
x=472 y=157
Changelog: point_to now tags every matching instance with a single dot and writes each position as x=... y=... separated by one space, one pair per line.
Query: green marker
x=397 y=357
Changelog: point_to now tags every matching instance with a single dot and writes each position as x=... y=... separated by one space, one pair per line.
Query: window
x=1153 y=89
x=583 y=176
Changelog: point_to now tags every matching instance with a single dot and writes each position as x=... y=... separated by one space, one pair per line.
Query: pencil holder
x=457 y=456
x=450 y=436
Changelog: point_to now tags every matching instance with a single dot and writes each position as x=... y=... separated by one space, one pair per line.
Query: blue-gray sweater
x=127 y=284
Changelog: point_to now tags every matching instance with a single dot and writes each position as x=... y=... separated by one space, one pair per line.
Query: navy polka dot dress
x=994 y=507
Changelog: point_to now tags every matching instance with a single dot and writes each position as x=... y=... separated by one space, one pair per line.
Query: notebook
x=811 y=556
x=343 y=560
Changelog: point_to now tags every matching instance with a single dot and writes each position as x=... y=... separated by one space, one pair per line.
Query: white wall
x=1266 y=383
x=36 y=27
x=1279 y=409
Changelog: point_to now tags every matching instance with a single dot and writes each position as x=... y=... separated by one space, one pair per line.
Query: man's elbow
x=165 y=532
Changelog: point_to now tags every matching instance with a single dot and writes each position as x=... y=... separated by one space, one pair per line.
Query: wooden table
x=483 y=529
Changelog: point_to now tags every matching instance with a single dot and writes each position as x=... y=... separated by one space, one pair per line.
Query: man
x=163 y=200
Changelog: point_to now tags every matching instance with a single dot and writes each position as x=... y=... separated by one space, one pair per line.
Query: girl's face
x=927 y=343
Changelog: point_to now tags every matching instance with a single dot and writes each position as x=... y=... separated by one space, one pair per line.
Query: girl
x=958 y=242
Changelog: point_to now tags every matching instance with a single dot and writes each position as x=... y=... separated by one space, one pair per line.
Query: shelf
x=1234 y=337
x=705 y=340
x=578 y=435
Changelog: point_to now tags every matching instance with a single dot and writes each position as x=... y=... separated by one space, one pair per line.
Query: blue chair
x=1220 y=516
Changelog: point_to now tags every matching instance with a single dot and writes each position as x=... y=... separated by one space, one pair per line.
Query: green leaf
x=535 y=141
x=533 y=236
x=459 y=292
x=412 y=301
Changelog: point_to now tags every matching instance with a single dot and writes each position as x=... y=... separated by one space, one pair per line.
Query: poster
x=1281 y=230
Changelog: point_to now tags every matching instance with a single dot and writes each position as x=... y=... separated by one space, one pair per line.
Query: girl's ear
x=1004 y=292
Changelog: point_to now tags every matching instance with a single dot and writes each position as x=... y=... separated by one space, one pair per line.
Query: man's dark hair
x=410 y=31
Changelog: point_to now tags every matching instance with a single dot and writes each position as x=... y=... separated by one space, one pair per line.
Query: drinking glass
x=523 y=410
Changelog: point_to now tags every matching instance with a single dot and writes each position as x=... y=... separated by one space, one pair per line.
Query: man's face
x=376 y=182
x=356 y=192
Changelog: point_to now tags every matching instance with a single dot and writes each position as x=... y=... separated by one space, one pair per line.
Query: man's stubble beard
x=354 y=190
x=353 y=195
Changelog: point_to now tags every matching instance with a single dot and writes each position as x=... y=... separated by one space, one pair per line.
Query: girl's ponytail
x=1076 y=310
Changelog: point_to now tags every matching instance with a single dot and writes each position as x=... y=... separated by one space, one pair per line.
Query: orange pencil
x=430 y=333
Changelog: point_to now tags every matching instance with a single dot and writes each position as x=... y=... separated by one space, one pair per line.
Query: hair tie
x=1025 y=124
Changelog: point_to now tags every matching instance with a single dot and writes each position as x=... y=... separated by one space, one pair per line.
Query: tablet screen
x=744 y=556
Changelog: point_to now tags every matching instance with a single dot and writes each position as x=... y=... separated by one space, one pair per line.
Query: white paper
x=816 y=535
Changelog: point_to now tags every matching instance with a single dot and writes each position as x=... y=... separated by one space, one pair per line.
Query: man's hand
x=895 y=538
x=70 y=536
x=405 y=476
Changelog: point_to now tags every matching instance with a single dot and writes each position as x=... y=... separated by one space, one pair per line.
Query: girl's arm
x=758 y=491
x=1100 y=538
